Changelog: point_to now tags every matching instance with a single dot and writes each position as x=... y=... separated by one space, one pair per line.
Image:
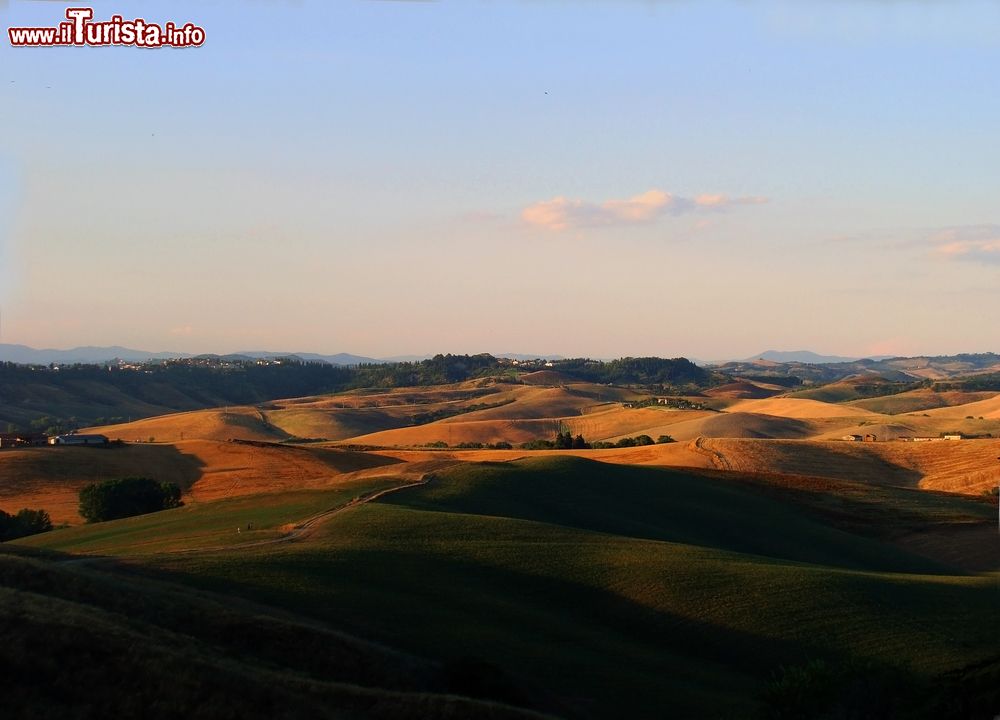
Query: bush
x=26 y=522
x=537 y=445
x=125 y=497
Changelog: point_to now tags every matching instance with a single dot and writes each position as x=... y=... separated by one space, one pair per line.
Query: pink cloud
x=724 y=201
x=561 y=213
x=977 y=243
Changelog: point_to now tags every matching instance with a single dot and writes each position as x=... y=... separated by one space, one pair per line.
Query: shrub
x=125 y=497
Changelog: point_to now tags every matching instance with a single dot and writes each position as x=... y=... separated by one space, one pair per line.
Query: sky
x=596 y=178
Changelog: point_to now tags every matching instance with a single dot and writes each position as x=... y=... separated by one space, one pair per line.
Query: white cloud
x=562 y=213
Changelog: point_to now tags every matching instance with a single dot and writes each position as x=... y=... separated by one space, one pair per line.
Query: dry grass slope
x=246 y=423
x=970 y=467
x=988 y=409
x=51 y=478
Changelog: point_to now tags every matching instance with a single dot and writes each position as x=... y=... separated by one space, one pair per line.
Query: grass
x=919 y=400
x=206 y=525
x=87 y=641
x=604 y=590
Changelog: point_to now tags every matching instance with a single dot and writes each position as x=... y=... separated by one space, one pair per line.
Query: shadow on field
x=93 y=638
x=44 y=467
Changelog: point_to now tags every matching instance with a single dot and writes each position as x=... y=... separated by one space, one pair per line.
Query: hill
x=968 y=467
x=921 y=399
x=738 y=425
x=988 y=409
x=802 y=356
x=797 y=407
x=63 y=398
x=945 y=367
x=87 y=355
x=51 y=478
x=131 y=645
x=855 y=387
x=625 y=590
x=744 y=390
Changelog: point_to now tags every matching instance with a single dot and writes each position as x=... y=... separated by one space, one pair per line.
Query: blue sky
x=584 y=178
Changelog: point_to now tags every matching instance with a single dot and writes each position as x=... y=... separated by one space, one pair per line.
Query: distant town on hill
x=100 y=355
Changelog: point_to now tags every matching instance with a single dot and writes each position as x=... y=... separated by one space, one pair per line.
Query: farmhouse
x=852 y=438
x=99 y=440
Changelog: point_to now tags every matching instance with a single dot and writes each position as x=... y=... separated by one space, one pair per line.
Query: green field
x=244 y=521
x=599 y=590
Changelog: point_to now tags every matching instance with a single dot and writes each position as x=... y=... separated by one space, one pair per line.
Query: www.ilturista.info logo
x=80 y=30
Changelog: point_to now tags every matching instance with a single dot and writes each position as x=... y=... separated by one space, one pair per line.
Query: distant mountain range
x=96 y=355
x=807 y=356
x=88 y=354
x=896 y=369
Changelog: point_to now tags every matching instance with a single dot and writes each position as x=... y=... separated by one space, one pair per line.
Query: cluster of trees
x=978 y=383
x=563 y=441
x=676 y=403
x=502 y=445
x=125 y=497
x=25 y=522
x=637 y=441
x=566 y=441
x=675 y=372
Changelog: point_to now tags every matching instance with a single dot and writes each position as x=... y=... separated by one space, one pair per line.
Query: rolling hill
x=51 y=478
x=605 y=590
x=919 y=400
x=988 y=409
x=131 y=645
x=960 y=467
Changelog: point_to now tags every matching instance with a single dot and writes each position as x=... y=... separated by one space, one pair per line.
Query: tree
x=564 y=441
x=664 y=439
x=580 y=444
x=25 y=522
x=125 y=497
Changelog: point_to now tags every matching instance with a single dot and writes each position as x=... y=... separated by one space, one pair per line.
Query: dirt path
x=717 y=458
x=305 y=528
x=299 y=531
